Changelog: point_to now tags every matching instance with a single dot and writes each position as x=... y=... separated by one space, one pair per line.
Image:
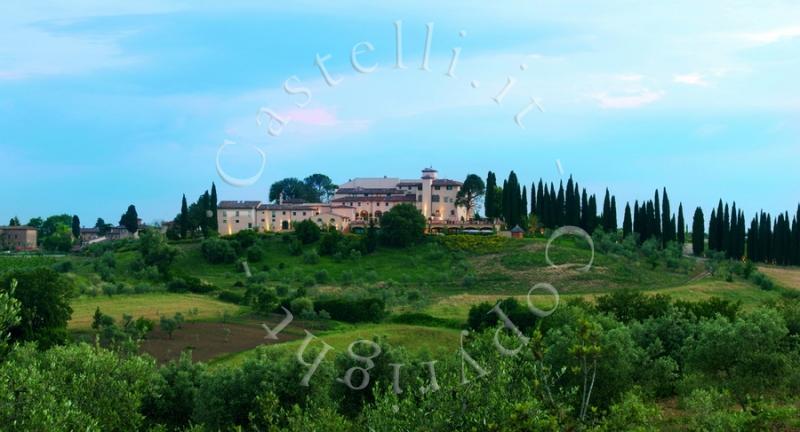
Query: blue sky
x=103 y=105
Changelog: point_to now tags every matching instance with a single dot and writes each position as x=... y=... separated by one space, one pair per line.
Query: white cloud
x=693 y=78
x=771 y=36
x=633 y=100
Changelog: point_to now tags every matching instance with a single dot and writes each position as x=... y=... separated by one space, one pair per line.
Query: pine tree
x=627 y=224
x=681 y=225
x=698 y=232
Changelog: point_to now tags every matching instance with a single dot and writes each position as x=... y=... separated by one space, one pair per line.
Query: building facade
x=356 y=202
x=18 y=237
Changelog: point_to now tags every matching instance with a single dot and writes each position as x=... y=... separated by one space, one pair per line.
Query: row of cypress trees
x=768 y=239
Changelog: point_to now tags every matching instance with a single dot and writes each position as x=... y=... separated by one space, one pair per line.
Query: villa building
x=18 y=237
x=353 y=205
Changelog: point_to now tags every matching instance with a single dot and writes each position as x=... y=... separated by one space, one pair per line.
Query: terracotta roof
x=409 y=183
x=238 y=204
x=288 y=207
x=360 y=190
x=517 y=229
x=446 y=182
x=395 y=198
x=18 y=227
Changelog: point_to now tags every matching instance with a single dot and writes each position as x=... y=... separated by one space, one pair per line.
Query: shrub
x=330 y=243
x=254 y=254
x=295 y=248
x=321 y=276
x=301 y=304
x=63 y=266
x=307 y=231
x=189 y=284
x=231 y=297
x=353 y=310
x=217 y=251
x=265 y=300
x=310 y=257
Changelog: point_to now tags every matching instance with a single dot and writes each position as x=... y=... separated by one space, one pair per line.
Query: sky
x=105 y=104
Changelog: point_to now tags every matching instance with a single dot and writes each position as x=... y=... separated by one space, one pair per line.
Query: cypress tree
x=752 y=241
x=606 y=216
x=718 y=240
x=560 y=216
x=214 y=221
x=627 y=224
x=584 y=211
x=76 y=226
x=637 y=219
x=503 y=214
x=184 y=217
x=592 y=216
x=613 y=221
x=524 y=203
x=666 y=215
x=540 y=201
x=533 y=199
x=656 y=216
x=652 y=222
x=681 y=225
x=712 y=230
x=698 y=234
x=489 y=197
x=726 y=231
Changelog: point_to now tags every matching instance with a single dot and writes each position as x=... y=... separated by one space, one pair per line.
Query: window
x=452 y=212
x=294 y=213
x=419 y=198
x=237 y=212
x=249 y=225
x=419 y=187
x=437 y=187
x=273 y=213
x=224 y=221
x=237 y=220
x=386 y=204
x=284 y=213
x=263 y=220
x=434 y=198
x=378 y=204
x=304 y=213
x=449 y=187
x=224 y=213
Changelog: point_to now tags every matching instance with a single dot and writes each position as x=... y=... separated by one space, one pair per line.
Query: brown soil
x=208 y=340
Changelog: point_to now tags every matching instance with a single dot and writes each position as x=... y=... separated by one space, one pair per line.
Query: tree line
x=768 y=239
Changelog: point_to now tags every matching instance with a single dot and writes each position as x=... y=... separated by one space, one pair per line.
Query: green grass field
x=149 y=306
x=415 y=339
x=442 y=278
